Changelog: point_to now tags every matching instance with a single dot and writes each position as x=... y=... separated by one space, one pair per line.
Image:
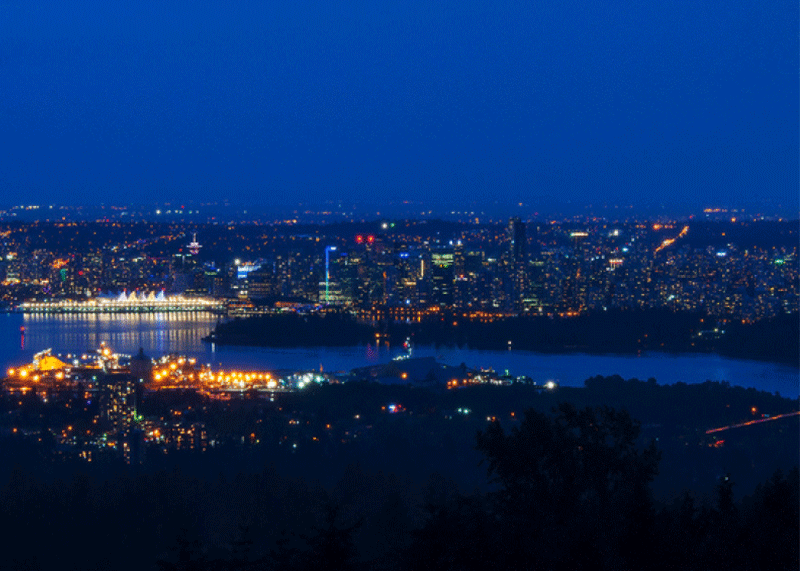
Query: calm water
x=182 y=333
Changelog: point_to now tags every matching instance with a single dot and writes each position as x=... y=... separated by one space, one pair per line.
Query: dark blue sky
x=680 y=101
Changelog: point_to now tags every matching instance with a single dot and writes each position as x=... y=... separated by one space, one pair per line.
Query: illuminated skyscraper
x=119 y=398
x=517 y=263
x=442 y=277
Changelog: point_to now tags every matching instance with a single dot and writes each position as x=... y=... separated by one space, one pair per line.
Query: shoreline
x=538 y=351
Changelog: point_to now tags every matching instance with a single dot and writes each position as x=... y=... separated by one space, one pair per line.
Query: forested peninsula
x=624 y=332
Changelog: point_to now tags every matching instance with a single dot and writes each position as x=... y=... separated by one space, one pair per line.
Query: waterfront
x=159 y=334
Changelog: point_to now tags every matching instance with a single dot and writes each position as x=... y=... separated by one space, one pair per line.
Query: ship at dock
x=134 y=302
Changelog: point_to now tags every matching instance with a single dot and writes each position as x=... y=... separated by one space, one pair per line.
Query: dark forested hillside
x=505 y=476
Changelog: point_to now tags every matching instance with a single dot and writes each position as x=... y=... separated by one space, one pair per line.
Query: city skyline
x=745 y=269
x=400 y=285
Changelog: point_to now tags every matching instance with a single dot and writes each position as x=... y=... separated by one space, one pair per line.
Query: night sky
x=678 y=101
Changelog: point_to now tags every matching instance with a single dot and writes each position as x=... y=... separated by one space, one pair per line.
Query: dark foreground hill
x=484 y=476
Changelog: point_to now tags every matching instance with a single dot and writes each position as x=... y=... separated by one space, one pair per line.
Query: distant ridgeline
x=618 y=331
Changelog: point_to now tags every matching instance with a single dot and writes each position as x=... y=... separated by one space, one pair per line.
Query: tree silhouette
x=187 y=554
x=572 y=490
x=458 y=534
x=331 y=546
x=773 y=519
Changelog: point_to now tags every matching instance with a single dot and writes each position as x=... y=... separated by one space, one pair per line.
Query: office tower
x=119 y=398
x=518 y=242
x=263 y=283
x=442 y=277
x=517 y=263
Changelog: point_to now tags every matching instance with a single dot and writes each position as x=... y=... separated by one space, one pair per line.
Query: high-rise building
x=119 y=398
x=442 y=277
x=517 y=263
x=262 y=283
x=518 y=242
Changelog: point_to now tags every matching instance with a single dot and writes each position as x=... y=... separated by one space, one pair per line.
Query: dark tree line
x=568 y=490
x=572 y=492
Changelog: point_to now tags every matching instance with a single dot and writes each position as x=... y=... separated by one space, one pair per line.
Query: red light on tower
x=370 y=239
x=359 y=239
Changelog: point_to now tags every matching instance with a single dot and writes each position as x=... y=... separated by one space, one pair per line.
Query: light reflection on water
x=159 y=334
x=155 y=333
